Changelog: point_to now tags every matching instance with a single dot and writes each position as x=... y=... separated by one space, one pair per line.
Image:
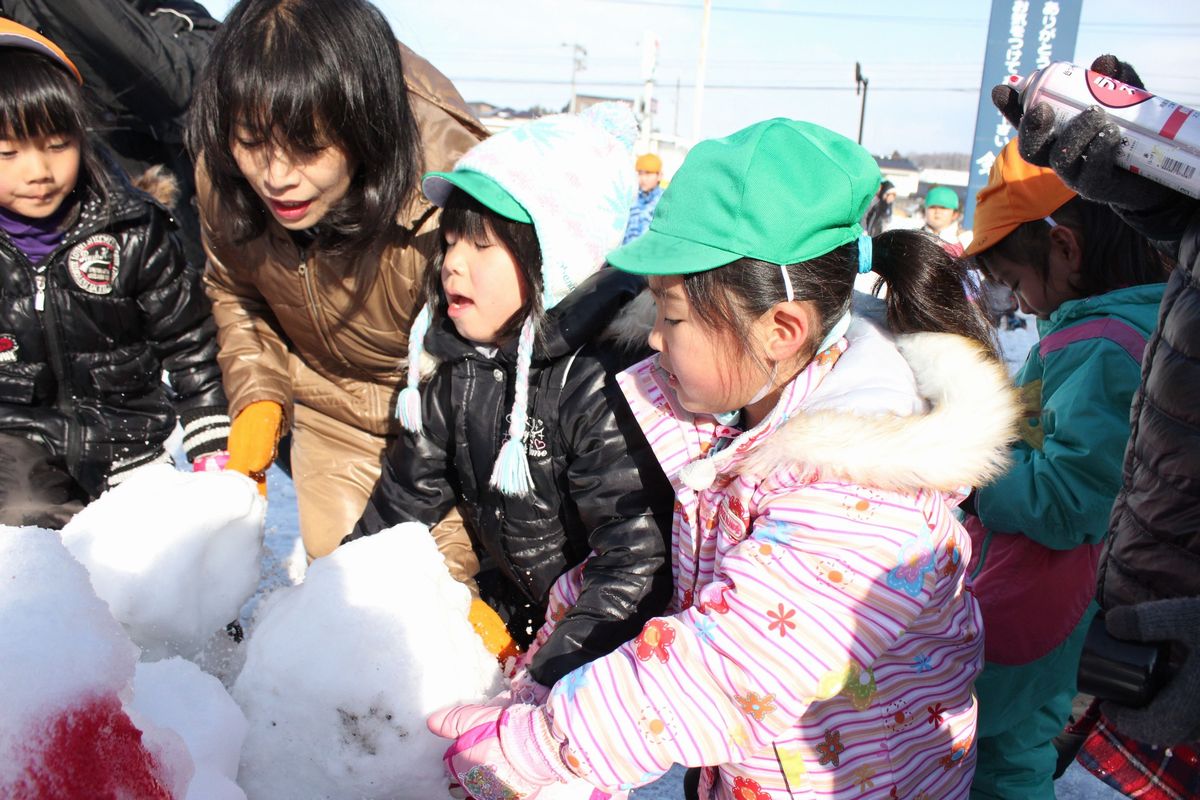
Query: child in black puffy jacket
x=96 y=301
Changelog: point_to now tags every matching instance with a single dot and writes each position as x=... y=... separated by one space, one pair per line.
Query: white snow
x=65 y=668
x=177 y=695
x=342 y=670
x=174 y=554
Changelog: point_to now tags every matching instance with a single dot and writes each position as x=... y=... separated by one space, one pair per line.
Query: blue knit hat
x=569 y=175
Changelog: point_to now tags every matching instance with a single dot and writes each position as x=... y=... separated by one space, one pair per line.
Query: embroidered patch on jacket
x=536 y=439
x=95 y=263
x=8 y=348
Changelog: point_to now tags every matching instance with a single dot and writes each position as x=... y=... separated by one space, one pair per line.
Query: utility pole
x=649 y=65
x=860 y=80
x=699 y=104
x=578 y=54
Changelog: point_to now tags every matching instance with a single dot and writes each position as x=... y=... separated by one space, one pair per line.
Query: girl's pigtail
x=511 y=472
x=408 y=404
x=928 y=289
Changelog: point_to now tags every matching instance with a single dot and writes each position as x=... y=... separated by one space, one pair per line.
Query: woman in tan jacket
x=310 y=127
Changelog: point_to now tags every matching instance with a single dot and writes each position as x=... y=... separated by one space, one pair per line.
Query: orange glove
x=493 y=632
x=253 y=437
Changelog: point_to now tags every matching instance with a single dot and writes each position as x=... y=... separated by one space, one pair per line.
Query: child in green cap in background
x=943 y=218
x=821 y=642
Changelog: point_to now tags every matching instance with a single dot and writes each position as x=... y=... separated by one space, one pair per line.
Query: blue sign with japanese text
x=1023 y=36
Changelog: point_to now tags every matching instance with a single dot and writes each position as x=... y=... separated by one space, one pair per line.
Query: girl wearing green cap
x=822 y=643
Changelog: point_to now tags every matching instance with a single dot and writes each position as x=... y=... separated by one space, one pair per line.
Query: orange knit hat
x=648 y=163
x=13 y=34
x=1017 y=192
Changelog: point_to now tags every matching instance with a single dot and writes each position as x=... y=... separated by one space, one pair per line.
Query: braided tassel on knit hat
x=408 y=404
x=511 y=473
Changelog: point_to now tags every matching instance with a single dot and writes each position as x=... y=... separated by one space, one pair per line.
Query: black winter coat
x=86 y=334
x=1153 y=550
x=597 y=487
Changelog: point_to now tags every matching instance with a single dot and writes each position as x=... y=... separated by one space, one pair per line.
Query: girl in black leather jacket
x=521 y=424
x=95 y=302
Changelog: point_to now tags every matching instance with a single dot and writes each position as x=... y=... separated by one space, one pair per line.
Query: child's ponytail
x=927 y=288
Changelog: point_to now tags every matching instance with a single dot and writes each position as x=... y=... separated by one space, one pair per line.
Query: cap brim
x=437 y=186
x=655 y=253
x=13 y=39
x=984 y=240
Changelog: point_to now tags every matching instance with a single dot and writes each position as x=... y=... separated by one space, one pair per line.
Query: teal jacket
x=1067 y=466
x=1036 y=542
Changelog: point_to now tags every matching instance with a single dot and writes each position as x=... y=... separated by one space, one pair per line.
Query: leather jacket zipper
x=55 y=351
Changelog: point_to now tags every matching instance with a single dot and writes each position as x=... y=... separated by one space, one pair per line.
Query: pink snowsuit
x=823 y=642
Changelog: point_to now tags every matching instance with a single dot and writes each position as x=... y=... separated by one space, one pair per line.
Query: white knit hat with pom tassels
x=574 y=176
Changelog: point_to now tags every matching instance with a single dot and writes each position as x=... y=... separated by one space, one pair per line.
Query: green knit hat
x=942 y=197
x=781 y=191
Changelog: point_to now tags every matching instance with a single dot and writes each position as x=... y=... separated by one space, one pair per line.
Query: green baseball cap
x=942 y=197
x=438 y=186
x=780 y=191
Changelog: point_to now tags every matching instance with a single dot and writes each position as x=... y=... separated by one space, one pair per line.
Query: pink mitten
x=500 y=752
x=211 y=462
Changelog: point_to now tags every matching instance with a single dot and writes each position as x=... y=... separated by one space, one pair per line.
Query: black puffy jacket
x=1153 y=550
x=597 y=487
x=86 y=334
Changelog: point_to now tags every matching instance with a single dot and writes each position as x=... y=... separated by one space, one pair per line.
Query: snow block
x=175 y=555
x=342 y=671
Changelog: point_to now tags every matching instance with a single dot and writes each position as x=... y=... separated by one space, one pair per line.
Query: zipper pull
x=39 y=299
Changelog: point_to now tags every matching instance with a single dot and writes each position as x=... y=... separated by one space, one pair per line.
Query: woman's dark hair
x=1114 y=254
x=926 y=289
x=302 y=75
x=39 y=97
x=464 y=217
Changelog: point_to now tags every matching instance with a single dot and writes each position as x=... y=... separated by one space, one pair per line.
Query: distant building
x=904 y=174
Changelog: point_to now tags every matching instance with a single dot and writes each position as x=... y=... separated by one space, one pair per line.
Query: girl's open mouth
x=290 y=211
x=457 y=305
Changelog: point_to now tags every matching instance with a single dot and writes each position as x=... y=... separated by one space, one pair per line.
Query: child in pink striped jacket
x=823 y=642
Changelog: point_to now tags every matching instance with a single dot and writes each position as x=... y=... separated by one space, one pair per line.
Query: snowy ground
x=283 y=564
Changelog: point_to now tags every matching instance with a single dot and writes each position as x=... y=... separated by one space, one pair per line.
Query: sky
x=768 y=58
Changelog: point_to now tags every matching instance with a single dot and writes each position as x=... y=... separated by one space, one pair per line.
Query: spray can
x=1160 y=139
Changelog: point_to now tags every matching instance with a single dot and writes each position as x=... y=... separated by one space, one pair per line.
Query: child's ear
x=1066 y=247
x=789 y=327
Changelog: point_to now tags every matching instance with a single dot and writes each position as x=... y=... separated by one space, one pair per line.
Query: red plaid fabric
x=1136 y=769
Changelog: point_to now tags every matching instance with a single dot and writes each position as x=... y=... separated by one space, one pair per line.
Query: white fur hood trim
x=959 y=439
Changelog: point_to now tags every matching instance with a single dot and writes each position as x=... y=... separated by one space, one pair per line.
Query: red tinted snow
x=92 y=750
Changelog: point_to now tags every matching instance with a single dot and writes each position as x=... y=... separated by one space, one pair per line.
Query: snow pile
x=177 y=695
x=342 y=671
x=65 y=668
x=174 y=554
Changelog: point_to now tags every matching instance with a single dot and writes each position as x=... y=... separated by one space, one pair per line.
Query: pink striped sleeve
x=819 y=588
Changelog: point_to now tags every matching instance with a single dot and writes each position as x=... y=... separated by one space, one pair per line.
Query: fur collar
x=955 y=435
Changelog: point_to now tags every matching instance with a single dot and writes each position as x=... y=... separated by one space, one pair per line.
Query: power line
x=728 y=86
x=895 y=18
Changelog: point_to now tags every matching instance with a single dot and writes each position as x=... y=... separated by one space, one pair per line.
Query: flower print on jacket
x=916 y=561
x=830 y=750
x=755 y=705
x=748 y=789
x=654 y=640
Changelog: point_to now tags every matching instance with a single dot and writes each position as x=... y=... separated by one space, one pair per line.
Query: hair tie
x=865 y=248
